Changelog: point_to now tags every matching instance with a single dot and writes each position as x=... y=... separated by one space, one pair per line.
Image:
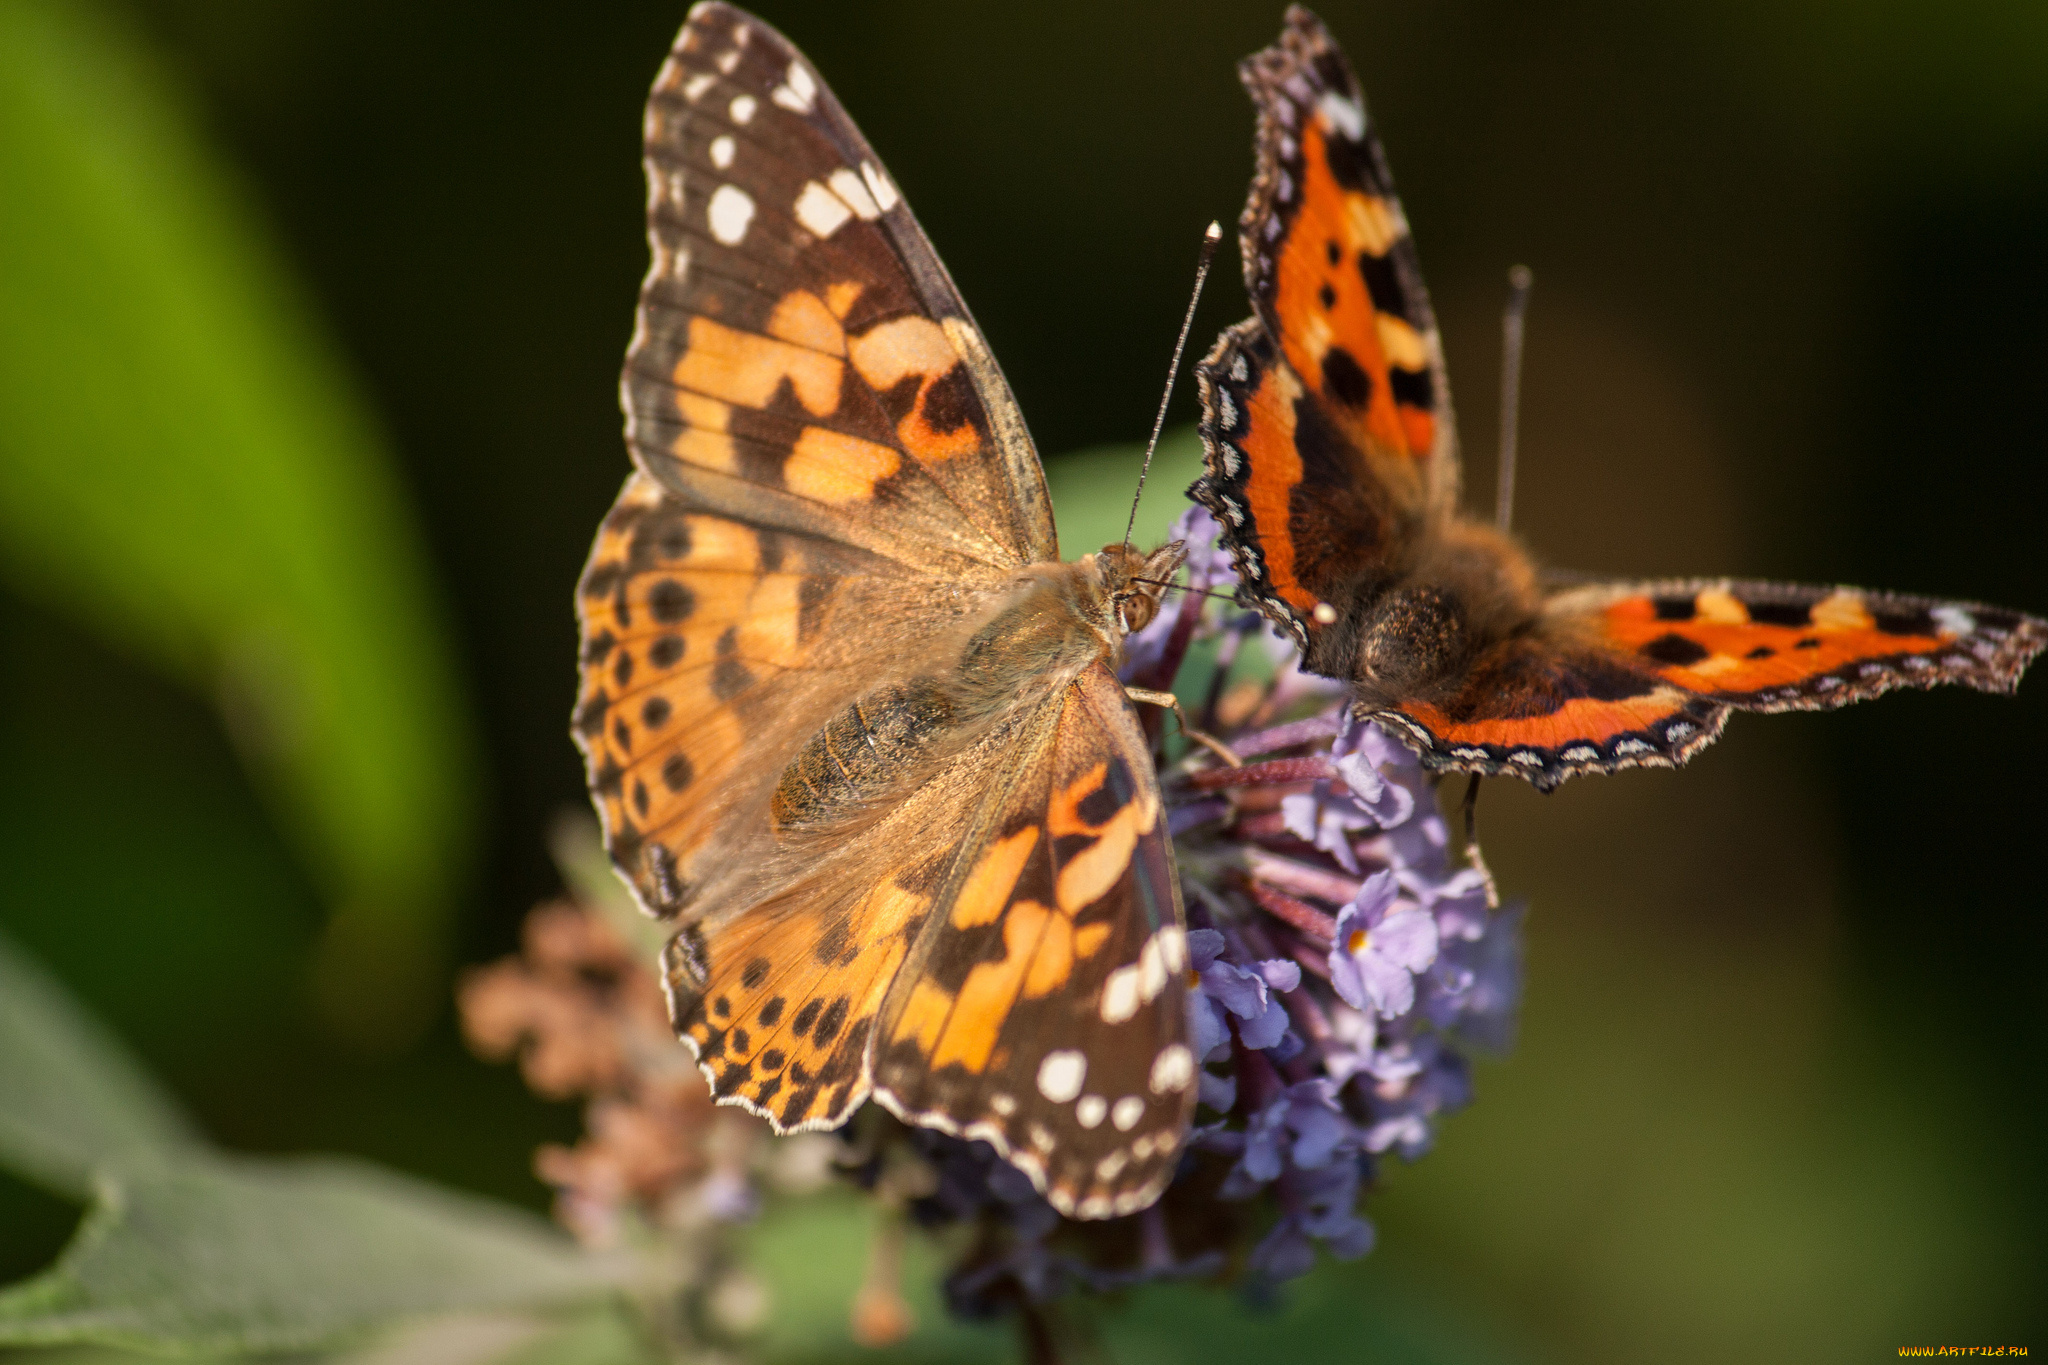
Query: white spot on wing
x=1120 y=995
x=797 y=91
x=1953 y=620
x=1090 y=1110
x=1109 y=1166
x=1061 y=1073
x=730 y=212
x=697 y=85
x=821 y=211
x=849 y=187
x=1344 y=114
x=880 y=185
x=1002 y=1104
x=742 y=108
x=1172 y=1069
x=728 y=61
x=1127 y=1112
x=721 y=151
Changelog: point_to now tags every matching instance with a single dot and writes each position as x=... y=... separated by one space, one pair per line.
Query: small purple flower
x=1362 y=798
x=1302 y=1129
x=1380 y=945
x=1404 y=1111
x=1325 y=1203
x=1246 y=992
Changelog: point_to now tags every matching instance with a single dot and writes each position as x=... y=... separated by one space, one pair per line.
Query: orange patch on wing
x=1581 y=719
x=1840 y=633
x=987 y=888
x=890 y=352
x=1274 y=471
x=832 y=467
x=992 y=987
x=703 y=440
x=1088 y=875
x=745 y=369
x=804 y=319
x=1355 y=222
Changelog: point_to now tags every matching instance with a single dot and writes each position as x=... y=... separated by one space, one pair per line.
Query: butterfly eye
x=1136 y=611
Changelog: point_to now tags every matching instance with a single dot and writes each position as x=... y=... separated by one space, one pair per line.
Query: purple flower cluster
x=1342 y=966
x=1343 y=963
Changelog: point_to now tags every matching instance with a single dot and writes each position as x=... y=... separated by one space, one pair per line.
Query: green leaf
x=274 y=1255
x=71 y=1098
x=186 y=467
x=1091 y=491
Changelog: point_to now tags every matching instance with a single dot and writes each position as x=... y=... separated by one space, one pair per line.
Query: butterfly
x=852 y=726
x=1331 y=465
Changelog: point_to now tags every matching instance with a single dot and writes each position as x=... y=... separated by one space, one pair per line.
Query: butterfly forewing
x=796 y=333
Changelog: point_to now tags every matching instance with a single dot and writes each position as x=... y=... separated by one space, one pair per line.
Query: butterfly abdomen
x=862 y=753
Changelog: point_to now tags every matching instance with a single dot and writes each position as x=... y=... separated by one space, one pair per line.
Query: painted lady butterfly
x=1333 y=469
x=850 y=723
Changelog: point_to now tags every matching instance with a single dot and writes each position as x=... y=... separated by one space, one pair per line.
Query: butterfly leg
x=1201 y=737
x=1472 y=853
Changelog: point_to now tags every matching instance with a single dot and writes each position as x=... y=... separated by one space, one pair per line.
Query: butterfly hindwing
x=1047 y=1010
x=1788 y=647
x=1643 y=674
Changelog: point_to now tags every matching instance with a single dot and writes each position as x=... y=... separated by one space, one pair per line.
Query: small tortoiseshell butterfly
x=1332 y=467
x=851 y=724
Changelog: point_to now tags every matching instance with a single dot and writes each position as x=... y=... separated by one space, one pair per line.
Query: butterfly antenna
x=1209 y=241
x=1511 y=324
x=1183 y=587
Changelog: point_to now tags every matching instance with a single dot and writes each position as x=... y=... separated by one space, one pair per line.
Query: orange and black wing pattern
x=908 y=847
x=1326 y=416
x=822 y=438
x=1644 y=674
x=1022 y=980
x=1047 y=1011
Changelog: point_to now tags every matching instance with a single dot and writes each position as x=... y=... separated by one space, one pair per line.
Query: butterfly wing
x=1326 y=417
x=1046 y=1011
x=1021 y=981
x=831 y=464
x=800 y=352
x=834 y=492
x=1643 y=674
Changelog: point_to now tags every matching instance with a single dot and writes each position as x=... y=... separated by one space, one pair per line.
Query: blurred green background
x=310 y=323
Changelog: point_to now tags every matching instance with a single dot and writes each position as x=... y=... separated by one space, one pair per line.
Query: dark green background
x=1780 y=1089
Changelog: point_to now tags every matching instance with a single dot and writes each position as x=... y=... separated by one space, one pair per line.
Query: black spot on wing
x=670 y=601
x=805 y=1017
x=655 y=713
x=834 y=1020
x=676 y=772
x=1673 y=608
x=1383 y=285
x=1675 y=650
x=755 y=974
x=1344 y=380
x=1907 y=622
x=1413 y=388
x=1779 y=613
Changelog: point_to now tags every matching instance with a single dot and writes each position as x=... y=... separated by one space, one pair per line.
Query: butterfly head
x=1131 y=585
